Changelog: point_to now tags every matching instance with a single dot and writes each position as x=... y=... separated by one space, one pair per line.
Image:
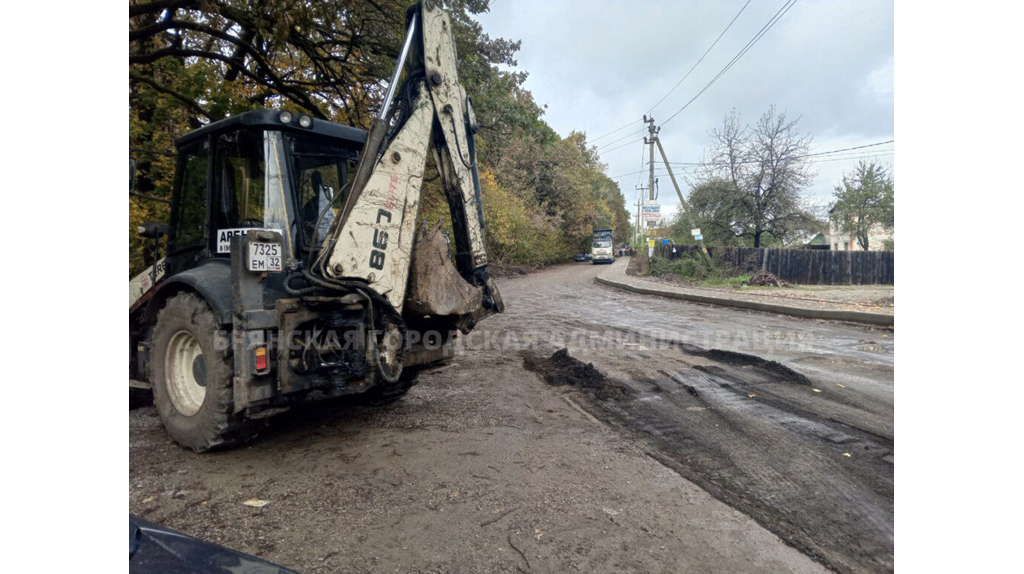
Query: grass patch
x=693 y=268
x=731 y=282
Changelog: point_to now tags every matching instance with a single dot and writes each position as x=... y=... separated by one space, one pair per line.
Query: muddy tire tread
x=218 y=426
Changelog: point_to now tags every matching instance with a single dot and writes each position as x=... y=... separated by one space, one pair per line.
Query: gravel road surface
x=701 y=439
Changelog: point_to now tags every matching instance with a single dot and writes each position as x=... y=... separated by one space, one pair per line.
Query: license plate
x=264 y=257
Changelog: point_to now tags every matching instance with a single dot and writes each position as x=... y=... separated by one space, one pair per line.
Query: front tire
x=384 y=394
x=192 y=377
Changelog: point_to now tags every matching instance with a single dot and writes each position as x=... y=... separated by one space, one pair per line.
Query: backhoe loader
x=294 y=265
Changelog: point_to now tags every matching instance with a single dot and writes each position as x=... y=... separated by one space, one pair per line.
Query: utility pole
x=652 y=131
x=637 y=232
x=682 y=202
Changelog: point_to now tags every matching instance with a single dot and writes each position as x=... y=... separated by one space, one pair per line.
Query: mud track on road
x=727 y=422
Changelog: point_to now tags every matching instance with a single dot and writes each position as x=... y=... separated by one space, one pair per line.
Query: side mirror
x=152 y=230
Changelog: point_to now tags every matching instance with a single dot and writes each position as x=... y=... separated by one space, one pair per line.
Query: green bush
x=694 y=267
x=687 y=267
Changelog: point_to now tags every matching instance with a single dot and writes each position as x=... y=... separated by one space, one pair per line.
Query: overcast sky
x=600 y=65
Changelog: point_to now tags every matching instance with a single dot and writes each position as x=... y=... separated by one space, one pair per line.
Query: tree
x=751 y=182
x=191 y=62
x=864 y=200
x=327 y=58
x=717 y=206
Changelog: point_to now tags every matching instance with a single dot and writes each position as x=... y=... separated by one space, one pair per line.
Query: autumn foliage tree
x=191 y=62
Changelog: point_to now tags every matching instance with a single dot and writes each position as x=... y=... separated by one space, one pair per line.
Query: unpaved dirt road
x=705 y=439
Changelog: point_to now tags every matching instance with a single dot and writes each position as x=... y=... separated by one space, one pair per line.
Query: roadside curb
x=881 y=319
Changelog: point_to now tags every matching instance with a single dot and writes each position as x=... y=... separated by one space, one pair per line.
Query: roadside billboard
x=651 y=213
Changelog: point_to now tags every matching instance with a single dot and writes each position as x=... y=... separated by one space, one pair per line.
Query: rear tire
x=192 y=377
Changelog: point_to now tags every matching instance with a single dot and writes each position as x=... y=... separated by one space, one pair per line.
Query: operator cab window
x=189 y=216
x=249 y=186
x=321 y=171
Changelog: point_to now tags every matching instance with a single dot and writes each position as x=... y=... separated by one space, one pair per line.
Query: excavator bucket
x=435 y=286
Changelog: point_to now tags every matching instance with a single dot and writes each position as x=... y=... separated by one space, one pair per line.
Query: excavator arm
x=371 y=240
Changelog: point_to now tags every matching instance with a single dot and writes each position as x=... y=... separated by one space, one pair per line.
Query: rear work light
x=262 y=360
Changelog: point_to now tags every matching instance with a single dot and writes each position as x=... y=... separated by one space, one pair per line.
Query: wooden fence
x=804 y=266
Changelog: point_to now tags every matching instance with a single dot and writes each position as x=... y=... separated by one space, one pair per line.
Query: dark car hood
x=153 y=549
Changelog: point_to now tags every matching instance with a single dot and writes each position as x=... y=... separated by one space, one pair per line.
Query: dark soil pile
x=561 y=369
x=775 y=369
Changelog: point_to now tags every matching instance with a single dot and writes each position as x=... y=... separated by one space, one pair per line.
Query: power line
x=613 y=142
x=643 y=153
x=764 y=30
x=850 y=148
x=870 y=155
x=640 y=171
x=750 y=44
x=815 y=159
x=829 y=152
x=708 y=51
x=810 y=158
x=693 y=165
x=629 y=143
x=616 y=130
